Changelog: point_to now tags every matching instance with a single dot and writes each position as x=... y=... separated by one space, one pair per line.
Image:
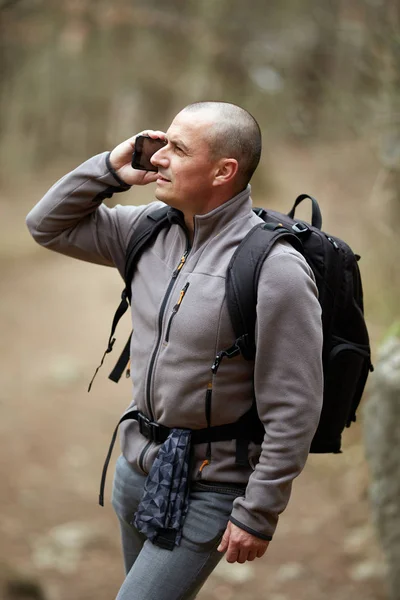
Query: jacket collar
x=212 y=223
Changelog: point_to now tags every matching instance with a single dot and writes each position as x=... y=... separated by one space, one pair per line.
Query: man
x=180 y=322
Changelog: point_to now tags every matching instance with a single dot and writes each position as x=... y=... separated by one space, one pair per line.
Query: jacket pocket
x=175 y=310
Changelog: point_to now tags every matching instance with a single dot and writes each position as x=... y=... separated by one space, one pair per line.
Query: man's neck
x=212 y=205
x=189 y=222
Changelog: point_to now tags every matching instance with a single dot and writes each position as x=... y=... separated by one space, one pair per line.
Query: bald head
x=234 y=133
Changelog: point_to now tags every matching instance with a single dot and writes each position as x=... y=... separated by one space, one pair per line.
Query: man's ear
x=226 y=171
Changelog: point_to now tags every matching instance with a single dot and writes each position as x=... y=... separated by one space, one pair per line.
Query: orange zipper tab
x=180 y=265
x=181 y=294
x=204 y=464
x=182 y=262
x=175 y=310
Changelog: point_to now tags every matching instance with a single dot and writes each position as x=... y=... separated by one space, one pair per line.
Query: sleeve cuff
x=113 y=172
x=268 y=538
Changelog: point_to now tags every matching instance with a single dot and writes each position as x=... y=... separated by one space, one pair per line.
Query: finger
x=243 y=554
x=232 y=554
x=261 y=552
x=132 y=139
x=159 y=134
x=153 y=134
x=252 y=555
x=150 y=177
x=224 y=542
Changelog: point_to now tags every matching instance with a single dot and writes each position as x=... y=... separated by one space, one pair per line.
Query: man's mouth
x=162 y=178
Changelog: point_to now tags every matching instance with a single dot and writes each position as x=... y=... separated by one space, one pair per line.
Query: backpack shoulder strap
x=242 y=280
x=144 y=233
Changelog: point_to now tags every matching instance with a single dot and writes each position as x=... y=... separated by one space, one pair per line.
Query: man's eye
x=178 y=149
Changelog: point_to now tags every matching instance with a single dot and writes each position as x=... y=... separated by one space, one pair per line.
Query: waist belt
x=247 y=428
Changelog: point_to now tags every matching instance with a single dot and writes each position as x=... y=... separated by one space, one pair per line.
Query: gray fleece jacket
x=172 y=350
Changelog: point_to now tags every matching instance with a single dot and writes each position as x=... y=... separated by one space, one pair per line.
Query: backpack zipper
x=160 y=320
x=175 y=310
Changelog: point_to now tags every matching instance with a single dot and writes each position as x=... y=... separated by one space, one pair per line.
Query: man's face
x=186 y=171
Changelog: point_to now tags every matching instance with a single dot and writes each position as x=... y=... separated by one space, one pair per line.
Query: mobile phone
x=145 y=147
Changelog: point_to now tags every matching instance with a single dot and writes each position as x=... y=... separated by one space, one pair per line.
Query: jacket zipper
x=175 y=310
x=142 y=455
x=207 y=460
x=160 y=320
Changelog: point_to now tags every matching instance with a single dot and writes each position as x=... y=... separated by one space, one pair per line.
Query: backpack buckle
x=260 y=212
x=300 y=228
x=151 y=430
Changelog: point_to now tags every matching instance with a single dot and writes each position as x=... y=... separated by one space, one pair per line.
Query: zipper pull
x=175 y=310
x=181 y=296
x=180 y=265
x=334 y=244
x=216 y=362
x=203 y=464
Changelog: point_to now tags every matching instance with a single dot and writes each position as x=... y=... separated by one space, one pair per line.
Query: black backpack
x=346 y=354
x=346 y=351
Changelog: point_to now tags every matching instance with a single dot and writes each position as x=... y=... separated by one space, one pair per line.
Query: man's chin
x=161 y=195
x=167 y=199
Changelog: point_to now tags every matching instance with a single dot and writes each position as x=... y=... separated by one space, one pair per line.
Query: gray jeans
x=153 y=573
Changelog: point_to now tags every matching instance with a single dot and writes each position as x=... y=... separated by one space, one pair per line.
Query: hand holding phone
x=145 y=147
x=121 y=159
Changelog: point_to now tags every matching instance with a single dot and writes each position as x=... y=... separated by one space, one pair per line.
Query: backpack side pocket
x=345 y=375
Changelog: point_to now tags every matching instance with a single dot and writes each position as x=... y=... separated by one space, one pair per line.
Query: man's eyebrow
x=178 y=142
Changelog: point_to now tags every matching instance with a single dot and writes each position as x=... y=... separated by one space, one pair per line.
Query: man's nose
x=159 y=158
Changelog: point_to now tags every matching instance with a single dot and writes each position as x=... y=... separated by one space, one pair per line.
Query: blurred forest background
x=322 y=77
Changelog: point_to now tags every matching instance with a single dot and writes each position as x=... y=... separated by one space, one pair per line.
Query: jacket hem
x=222 y=488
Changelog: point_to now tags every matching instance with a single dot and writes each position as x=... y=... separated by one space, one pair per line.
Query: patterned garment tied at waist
x=164 y=504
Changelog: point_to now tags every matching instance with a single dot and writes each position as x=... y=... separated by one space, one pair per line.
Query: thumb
x=225 y=540
x=150 y=177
